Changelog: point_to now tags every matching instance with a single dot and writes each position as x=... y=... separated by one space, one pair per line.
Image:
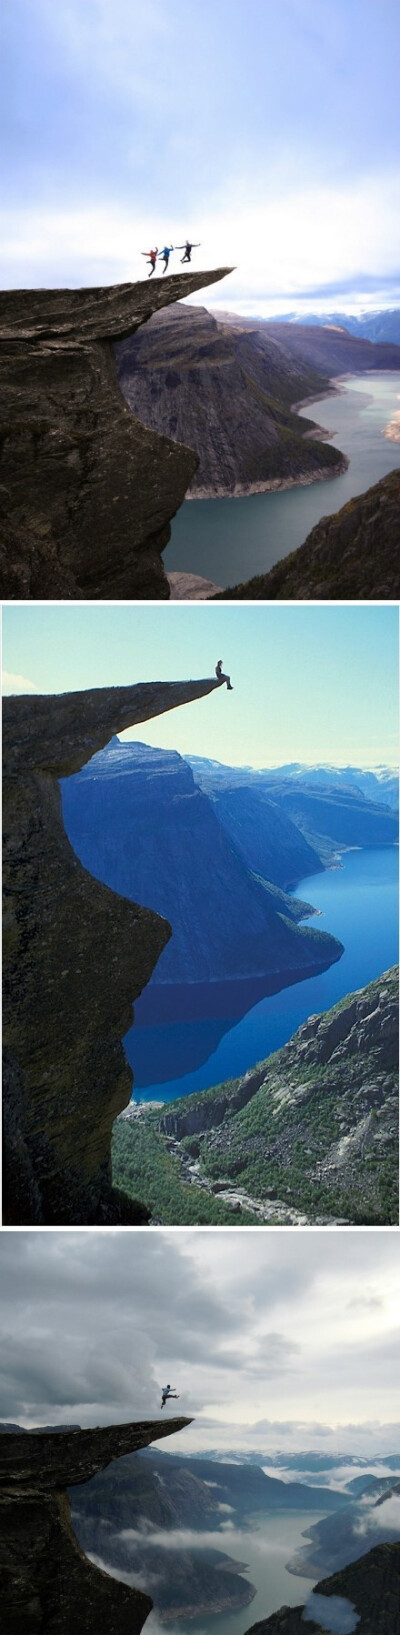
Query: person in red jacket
x=151 y=256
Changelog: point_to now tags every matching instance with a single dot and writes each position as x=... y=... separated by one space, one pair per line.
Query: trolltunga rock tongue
x=87 y=491
x=47 y=1585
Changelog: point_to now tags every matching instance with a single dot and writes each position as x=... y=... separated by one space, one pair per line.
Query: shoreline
x=319 y=433
x=272 y=485
x=301 y=480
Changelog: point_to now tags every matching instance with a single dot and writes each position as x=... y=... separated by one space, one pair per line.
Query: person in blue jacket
x=165 y=255
x=166 y=1392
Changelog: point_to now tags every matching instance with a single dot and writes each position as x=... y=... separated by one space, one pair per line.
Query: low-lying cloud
x=380 y=1518
x=332 y=1612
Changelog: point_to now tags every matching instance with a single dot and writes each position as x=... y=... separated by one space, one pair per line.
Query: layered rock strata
x=75 y=957
x=86 y=491
x=47 y=1585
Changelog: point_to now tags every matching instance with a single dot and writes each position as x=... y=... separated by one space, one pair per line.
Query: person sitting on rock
x=220 y=676
x=166 y=1392
x=188 y=250
x=151 y=255
x=165 y=255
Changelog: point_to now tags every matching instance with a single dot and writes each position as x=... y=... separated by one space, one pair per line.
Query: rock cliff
x=47 y=1585
x=309 y=1135
x=228 y=391
x=371 y=1586
x=86 y=491
x=75 y=957
x=352 y=554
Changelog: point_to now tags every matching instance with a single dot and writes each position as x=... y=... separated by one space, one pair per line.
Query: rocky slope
x=371 y=1586
x=352 y=554
x=47 y=1585
x=86 y=491
x=308 y=1135
x=228 y=392
x=75 y=956
x=139 y=822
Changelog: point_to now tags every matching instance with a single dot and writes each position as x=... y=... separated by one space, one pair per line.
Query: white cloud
x=281 y=242
x=331 y=1612
x=17 y=684
x=380 y=1518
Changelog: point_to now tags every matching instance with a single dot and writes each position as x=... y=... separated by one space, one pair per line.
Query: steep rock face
x=47 y=1585
x=75 y=956
x=138 y=821
x=227 y=391
x=86 y=491
x=371 y=1586
x=315 y=1126
x=354 y=553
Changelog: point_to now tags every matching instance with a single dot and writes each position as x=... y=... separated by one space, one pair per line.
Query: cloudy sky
x=310 y=683
x=273 y=1339
x=270 y=133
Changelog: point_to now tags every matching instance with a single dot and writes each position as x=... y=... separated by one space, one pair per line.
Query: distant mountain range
x=370 y=326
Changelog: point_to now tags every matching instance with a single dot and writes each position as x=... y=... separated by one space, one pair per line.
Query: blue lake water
x=358 y=902
x=228 y=540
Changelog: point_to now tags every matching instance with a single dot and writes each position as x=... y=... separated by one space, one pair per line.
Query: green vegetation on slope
x=313 y=1128
x=143 y=1166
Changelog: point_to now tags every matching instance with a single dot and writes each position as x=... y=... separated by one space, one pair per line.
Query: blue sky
x=310 y=683
x=269 y=132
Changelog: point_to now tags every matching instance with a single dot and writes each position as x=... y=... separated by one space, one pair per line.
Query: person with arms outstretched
x=165 y=255
x=151 y=256
x=168 y=1391
x=188 y=247
x=220 y=676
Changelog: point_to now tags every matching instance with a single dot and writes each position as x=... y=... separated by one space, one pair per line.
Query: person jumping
x=220 y=676
x=165 y=255
x=168 y=1391
x=151 y=256
x=188 y=250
